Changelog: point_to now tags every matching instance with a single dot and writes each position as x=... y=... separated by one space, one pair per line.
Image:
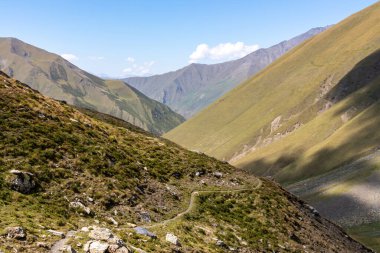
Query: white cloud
x=139 y=70
x=130 y=59
x=221 y=52
x=70 y=57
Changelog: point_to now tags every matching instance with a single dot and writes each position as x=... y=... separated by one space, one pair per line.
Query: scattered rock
x=22 y=181
x=112 y=248
x=218 y=174
x=172 y=239
x=116 y=241
x=144 y=231
x=199 y=173
x=86 y=246
x=98 y=247
x=122 y=250
x=220 y=243
x=85 y=229
x=145 y=217
x=312 y=209
x=70 y=249
x=17 y=233
x=177 y=175
x=113 y=221
x=78 y=205
x=131 y=225
x=43 y=245
x=56 y=233
x=102 y=234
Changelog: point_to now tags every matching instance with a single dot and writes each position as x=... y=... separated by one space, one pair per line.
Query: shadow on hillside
x=363 y=140
x=359 y=77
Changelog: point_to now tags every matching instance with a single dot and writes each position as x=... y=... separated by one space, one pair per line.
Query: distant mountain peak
x=202 y=84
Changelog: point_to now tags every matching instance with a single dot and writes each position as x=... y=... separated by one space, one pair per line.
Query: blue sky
x=140 y=37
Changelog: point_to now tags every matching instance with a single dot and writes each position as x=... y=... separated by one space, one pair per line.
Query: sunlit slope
x=53 y=156
x=298 y=94
x=57 y=78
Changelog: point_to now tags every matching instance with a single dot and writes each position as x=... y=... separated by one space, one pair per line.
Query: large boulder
x=22 y=181
x=172 y=239
x=98 y=247
x=102 y=234
x=16 y=233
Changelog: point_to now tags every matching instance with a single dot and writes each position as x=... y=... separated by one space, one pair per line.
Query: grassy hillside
x=192 y=88
x=101 y=172
x=306 y=118
x=57 y=78
x=314 y=91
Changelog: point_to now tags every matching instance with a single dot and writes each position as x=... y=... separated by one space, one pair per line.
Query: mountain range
x=73 y=183
x=192 y=88
x=57 y=78
x=310 y=120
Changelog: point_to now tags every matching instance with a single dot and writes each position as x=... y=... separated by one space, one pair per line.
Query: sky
x=116 y=38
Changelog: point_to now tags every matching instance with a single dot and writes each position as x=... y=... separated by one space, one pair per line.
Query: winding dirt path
x=193 y=196
x=60 y=245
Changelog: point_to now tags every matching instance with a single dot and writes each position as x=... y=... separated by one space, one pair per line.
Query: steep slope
x=304 y=117
x=59 y=79
x=63 y=170
x=194 y=87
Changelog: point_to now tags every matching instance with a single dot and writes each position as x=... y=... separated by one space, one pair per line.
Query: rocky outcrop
x=17 y=233
x=22 y=181
x=104 y=241
x=77 y=205
x=102 y=234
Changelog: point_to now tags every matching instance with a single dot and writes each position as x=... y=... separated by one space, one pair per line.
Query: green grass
x=59 y=79
x=291 y=88
x=125 y=172
x=368 y=234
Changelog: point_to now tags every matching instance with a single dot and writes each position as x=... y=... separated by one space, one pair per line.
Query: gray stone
x=123 y=250
x=70 y=249
x=218 y=174
x=172 y=239
x=56 y=233
x=116 y=241
x=78 y=205
x=220 y=243
x=22 y=181
x=86 y=246
x=98 y=247
x=102 y=234
x=113 y=221
x=144 y=231
x=16 y=233
x=145 y=217
x=43 y=245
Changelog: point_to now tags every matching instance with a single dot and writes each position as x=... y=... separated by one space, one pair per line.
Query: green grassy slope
x=306 y=118
x=121 y=173
x=57 y=78
x=326 y=71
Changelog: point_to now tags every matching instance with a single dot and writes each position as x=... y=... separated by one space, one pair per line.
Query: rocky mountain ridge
x=192 y=88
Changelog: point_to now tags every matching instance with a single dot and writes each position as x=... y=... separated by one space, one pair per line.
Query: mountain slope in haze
x=194 y=87
x=312 y=116
x=82 y=174
x=59 y=79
